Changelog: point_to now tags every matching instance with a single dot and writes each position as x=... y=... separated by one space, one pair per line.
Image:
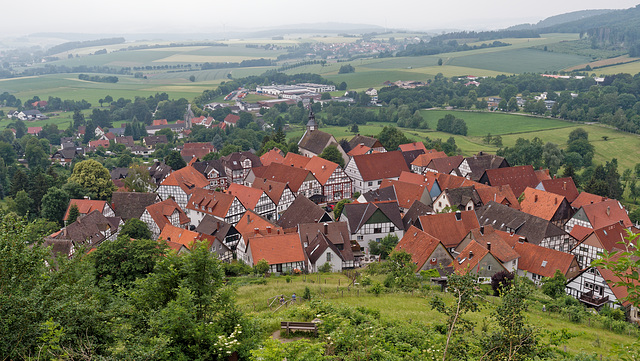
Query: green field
x=519 y=61
x=415 y=308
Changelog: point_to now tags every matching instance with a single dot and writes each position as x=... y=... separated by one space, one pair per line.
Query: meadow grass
x=519 y=61
x=589 y=336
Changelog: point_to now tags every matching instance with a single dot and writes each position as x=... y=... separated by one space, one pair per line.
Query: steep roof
x=450 y=228
x=411 y=155
x=413 y=146
x=611 y=236
x=562 y=186
x=423 y=160
x=370 y=142
x=358 y=214
x=518 y=178
x=292 y=176
x=273 y=189
x=132 y=204
x=540 y=203
x=480 y=162
x=446 y=165
x=215 y=203
x=321 y=168
x=359 y=150
x=336 y=232
x=428 y=179
x=541 y=260
x=196 y=150
x=85 y=206
x=502 y=250
x=90 y=229
x=252 y=224
x=419 y=244
x=470 y=257
x=248 y=196
x=542 y=174
x=504 y=218
x=208 y=166
x=302 y=210
x=234 y=160
x=380 y=165
x=579 y=232
x=231 y=118
x=585 y=198
x=416 y=210
x=605 y=213
x=406 y=193
x=179 y=235
x=461 y=196
x=214 y=227
x=274 y=155
x=315 y=141
x=161 y=211
x=296 y=160
x=276 y=248
x=448 y=181
x=187 y=178
x=317 y=247
x=500 y=194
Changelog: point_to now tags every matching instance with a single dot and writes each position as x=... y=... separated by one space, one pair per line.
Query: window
x=370 y=184
x=583 y=249
x=279 y=267
x=328 y=256
x=379 y=182
x=360 y=238
x=392 y=229
x=377 y=230
x=488 y=267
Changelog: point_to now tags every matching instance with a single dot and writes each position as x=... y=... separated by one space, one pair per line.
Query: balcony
x=590 y=300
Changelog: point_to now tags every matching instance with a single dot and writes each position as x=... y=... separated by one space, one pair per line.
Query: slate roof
x=276 y=248
x=315 y=141
x=159 y=171
x=410 y=155
x=518 y=178
x=207 y=166
x=480 y=162
x=161 y=211
x=152 y=140
x=119 y=173
x=358 y=214
x=336 y=232
x=562 y=186
x=234 y=160
x=446 y=165
x=420 y=245
x=380 y=165
x=416 y=210
x=605 y=213
x=540 y=203
x=59 y=247
x=89 y=229
x=363 y=139
x=461 y=196
x=215 y=227
x=302 y=210
x=501 y=217
x=585 y=198
x=129 y=205
x=317 y=247
x=450 y=228
x=383 y=194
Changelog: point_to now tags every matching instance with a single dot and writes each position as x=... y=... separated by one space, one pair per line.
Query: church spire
x=312 y=124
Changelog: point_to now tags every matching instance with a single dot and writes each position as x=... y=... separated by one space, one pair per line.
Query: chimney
x=470 y=254
x=248 y=218
x=535 y=198
x=555 y=201
x=325 y=227
x=458 y=215
x=218 y=226
x=489 y=246
x=269 y=229
x=564 y=186
x=482 y=230
x=521 y=240
x=256 y=231
x=608 y=211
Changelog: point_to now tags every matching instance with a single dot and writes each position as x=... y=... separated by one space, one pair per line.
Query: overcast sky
x=191 y=16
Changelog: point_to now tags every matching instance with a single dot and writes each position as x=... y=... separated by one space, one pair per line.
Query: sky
x=216 y=16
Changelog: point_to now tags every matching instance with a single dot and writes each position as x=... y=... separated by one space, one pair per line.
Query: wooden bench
x=299 y=326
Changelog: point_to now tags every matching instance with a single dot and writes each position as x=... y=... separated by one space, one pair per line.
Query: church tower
x=188 y=117
x=311 y=124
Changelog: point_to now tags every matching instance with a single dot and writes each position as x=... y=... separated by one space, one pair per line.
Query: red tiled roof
x=110 y=136
x=499 y=247
x=296 y=160
x=542 y=174
x=85 y=206
x=34 y=130
x=252 y=222
x=275 y=155
x=420 y=245
x=470 y=256
x=447 y=228
x=232 y=118
x=248 y=196
x=406 y=193
x=99 y=143
x=518 y=178
x=196 y=150
x=413 y=146
x=562 y=186
x=423 y=160
x=321 y=168
x=159 y=122
x=187 y=178
x=161 y=211
x=211 y=202
x=448 y=181
x=179 y=235
x=611 y=236
x=579 y=232
x=359 y=150
x=605 y=213
x=293 y=176
x=585 y=198
x=540 y=203
x=501 y=194
x=273 y=189
x=533 y=257
x=277 y=248
x=428 y=179
x=380 y=165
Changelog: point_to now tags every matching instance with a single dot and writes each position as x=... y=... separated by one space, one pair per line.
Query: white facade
x=592 y=280
x=359 y=184
x=328 y=256
x=232 y=216
x=175 y=192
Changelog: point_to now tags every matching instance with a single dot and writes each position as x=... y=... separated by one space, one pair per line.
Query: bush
x=325 y=268
x=376 y=288
x=288 y=279
x=501 y=280
x=307 y=294
x=365 y=281
x=236 y=268
x=575 y=313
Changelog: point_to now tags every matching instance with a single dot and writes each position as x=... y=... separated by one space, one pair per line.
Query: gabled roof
x=132 y=204
x=196 y=150
x=448 y=181
x=231 y=118
x=274 y=155
x=611 y=236
x=518 y=178
x=90 y=229
x=585 y=198
x=605 y=213
x=292 y=176
x=541 y=260
x=469 y=259
x=562 y=186
x=85 y=206
x=423 y=160
x=234 y=160
x=480 y=162
x=159 y=171
x=358 y=214
x=302 y=210
x=380 y=165
x=502 y=250
x=416 y=210
x=504 y=218
x=161 y=211
x=382 y=194
x=579 y=232
x=211 y=202
x=315 y=141
x=127 y=140
x=321 y=168
x=276 y=248
x=500 y=194
x=155 y=139
x=183 y=236
x=406 y=193
x=411 y=155
x=336 y=232
x=187 y=178
x=317 y=247
x=542 y=174
x=214 y=227
x=159 y=122
x=420 y=245
x=252 y=224
x=248 y=196
x=461 y=196
x=413 y=146
x=359 y=150
x=428 y=179
x=273 y=189
x=99 y=143
x=540 y=203
x=295 y=160
x=446 y=165
x=370 y=142
x=208 y=166
x=450 y=228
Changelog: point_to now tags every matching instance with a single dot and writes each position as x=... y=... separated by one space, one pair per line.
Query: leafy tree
x=332 y=154
x=246 y=118
x=552 y=157
x=440 y=61
x=325 y=96
x=500 y=281
x=576 y=134
x=554 y=286
x=21 y=203
x=54 y=204
x=19 y=182
x=345 y=69
x=391 y=138
x=74 y=213
x=78 y=119
x=192 y=78
x=124 y=160
x=337 y=210
x=325 y=268
x=136 y=229
x=138 y=180
x=385 y=246
x=401 y=271
x=174 y=160
x=584 y=148
x=93 y=177
x=262 y=267
x=451 y=124
x=35 y=154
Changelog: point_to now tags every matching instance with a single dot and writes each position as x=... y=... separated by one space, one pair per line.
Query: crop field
x=630 y=68
x=519 y=61
x=589 y=336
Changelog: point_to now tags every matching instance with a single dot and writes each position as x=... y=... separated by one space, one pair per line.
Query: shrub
x=376 y=288
x=288 y=279
x=365 y=280
x=500 y=281
x=307 y=294
x=325 y=268
x=575 y=313
x=237 y=268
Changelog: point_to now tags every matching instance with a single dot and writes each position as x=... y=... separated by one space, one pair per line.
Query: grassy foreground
x=590 y=336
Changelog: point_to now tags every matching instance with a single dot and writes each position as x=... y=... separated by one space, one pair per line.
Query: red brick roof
x=562 y=186
x=541 y=260
x=499 y=247
x=428 y=179
x=161 y=211
x=248 y=196
x=277 y=248
x=448 y=181
x=231 y=118
x=423 y=160
x=187 y=178
x=321 y=168
x=540 y=203
x=406 y=193
x=413 y=146
x=252 y=222
x=179 y=235
x=585 y=198
x=468 y=260
x=85 y=206
x=293 y=176
x=605 y=213
x=34 y=130
x=159 y=122
x=542 y=174
x=196 y=150
x=210 y=202
x=579 y=232
x=518 y=178
x=380 y=165
x=611 y=236
x=296 y=160
x=448 y=228
x=501 y=194
x=99 y=143
x=420 y=245
x=273 y=189
x=359 y=150
x=275 y=155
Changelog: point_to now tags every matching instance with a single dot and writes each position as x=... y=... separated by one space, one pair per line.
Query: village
x=301 y=213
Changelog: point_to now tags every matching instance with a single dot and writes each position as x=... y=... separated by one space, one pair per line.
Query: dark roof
x=206 y=167
x=234 y=160
x=315 y=141
x=215 y=227
x=501 y=217
x=119 y=173
x=302 y=210
x=62 y=247
x=159 y=171
x=480 y=162
x=155 y=139
x=132 y=204
x=461 y=196
x=88 y=230
x=411 y=155
x=358 y=214
x=416 y=210
x=380 y=165
x=381 y=195
x=318 y=245
x=446 y=165
x=518 y=178
x=127 y=140
x=370 y=142
x=561 y=186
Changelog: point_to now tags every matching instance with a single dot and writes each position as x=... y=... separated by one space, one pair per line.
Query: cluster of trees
x=391 y=138
x=83 y=44
x=99 y=79
x=53 y=103
x=451 y=124
x=438 y=46
x=347 y=68
x=243 y=64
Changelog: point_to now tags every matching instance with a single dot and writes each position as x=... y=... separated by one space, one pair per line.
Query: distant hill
x=561 y=19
